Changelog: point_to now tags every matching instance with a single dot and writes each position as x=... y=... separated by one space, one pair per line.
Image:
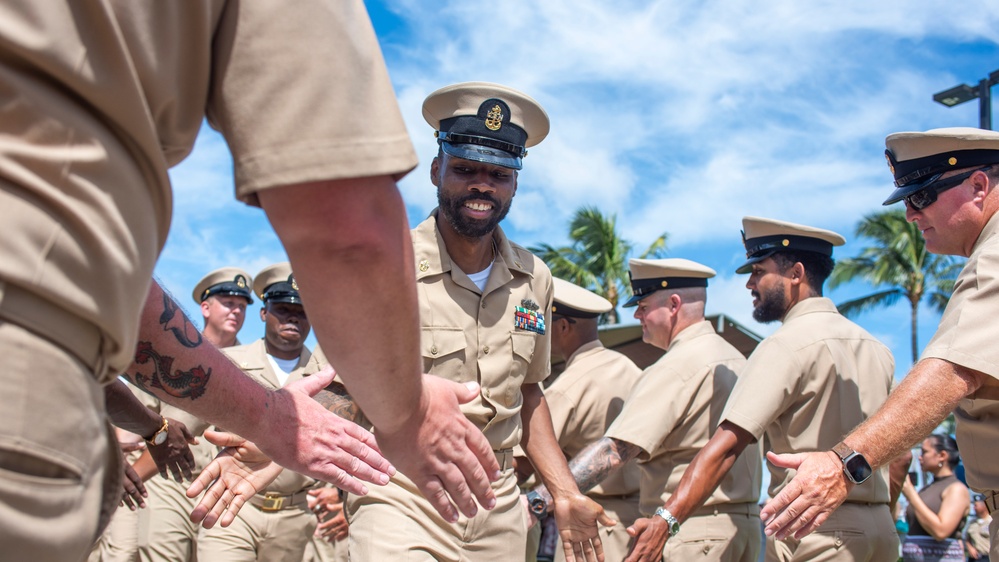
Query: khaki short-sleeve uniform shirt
x=100 y=97
x=967 y=336
x=809 y=384
x=585 y=399
x=496 y=337
x=674 y=410
x=252 y=359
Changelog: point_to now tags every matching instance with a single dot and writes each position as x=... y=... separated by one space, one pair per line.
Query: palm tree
x=598 y=256
x=898 y=265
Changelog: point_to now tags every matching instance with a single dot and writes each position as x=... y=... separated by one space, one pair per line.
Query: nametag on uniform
x=530 y=320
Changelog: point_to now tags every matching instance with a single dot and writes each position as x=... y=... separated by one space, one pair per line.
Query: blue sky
x=680 y=116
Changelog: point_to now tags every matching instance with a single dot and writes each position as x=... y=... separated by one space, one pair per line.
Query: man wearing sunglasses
x=947 y=179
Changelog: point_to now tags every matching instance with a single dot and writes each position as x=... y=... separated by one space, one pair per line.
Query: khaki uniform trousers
x=855 y=532
x=256 y=535
x=395 y=522
x=615 y=540
x=60 y=474
x=320 y=550
x=167 y=533
x=717 y=537
x=120 y=541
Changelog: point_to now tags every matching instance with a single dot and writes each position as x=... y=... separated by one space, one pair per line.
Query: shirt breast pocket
x=443 y=351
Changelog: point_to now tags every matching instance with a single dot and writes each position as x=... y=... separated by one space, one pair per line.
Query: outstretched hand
x=443 y=453
x=174 y=455
x=301 y=435
x=818 y=488
x=231 y=479
x=651 y=534
x=577 y=517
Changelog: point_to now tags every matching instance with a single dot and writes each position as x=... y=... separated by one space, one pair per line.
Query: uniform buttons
x=483 y=303
x=485 y=350
x=706 y=549
x=433 y=350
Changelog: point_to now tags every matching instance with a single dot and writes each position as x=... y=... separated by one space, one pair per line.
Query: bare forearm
x=707 y=469
x=348 y=243
x=176 y=365
x=127 y=412
x=541 y=446
x=931 y=391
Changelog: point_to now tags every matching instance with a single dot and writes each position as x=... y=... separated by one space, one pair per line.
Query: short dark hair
x=817 y=266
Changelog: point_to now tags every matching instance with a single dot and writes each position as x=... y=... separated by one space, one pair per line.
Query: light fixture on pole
x=963 y=92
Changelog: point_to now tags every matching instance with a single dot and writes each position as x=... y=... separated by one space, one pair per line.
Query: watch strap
x=671 y=522
x=842 y=450
x=151 y=440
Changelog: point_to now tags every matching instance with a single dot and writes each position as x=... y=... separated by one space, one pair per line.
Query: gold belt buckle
x=272 y=502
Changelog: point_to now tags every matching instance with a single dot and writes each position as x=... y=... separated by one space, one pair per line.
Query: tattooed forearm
x=336 y=399
x=181 y=384
x=174 y=320
x=594 y=463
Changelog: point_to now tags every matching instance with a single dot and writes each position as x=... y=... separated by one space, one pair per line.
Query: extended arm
x=705 y=472
x=174 y=364
x=576 y=514
x=928 y=393
x=348 y=243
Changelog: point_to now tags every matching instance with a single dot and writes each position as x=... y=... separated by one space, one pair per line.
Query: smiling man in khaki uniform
x=586 y=398
x=277 y=524
x=673 y=410
x=485 y=305
x=947 y=179
x=804 y=387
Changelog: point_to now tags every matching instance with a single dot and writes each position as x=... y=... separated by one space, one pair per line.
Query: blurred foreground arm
x=173 y=363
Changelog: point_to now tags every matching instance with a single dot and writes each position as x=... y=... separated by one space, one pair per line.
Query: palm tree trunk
x=915 y=345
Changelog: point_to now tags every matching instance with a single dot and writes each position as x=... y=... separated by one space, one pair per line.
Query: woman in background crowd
x=936 y=513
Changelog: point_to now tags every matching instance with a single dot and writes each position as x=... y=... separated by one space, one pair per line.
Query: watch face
x=537 y=506
x=858 y=468
x=160 y=438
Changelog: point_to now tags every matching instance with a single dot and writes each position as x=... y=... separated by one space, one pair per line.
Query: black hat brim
x=478 y=153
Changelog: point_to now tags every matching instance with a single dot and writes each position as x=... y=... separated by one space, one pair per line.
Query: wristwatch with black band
x=855 y=466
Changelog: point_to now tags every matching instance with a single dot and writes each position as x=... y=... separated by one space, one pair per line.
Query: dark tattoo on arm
x=173 y=319
x=336 y=399
x=180 y=384
x=595 y=463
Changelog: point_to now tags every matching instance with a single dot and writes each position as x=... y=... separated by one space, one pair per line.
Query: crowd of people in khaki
x=261 y=451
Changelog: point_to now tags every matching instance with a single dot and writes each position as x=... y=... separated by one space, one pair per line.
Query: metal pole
x=985 y=104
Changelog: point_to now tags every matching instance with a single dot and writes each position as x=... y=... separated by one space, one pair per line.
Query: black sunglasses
x=928 y=195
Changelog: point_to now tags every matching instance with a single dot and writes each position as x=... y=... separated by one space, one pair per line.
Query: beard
x=470 y=228
x=773 y=305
